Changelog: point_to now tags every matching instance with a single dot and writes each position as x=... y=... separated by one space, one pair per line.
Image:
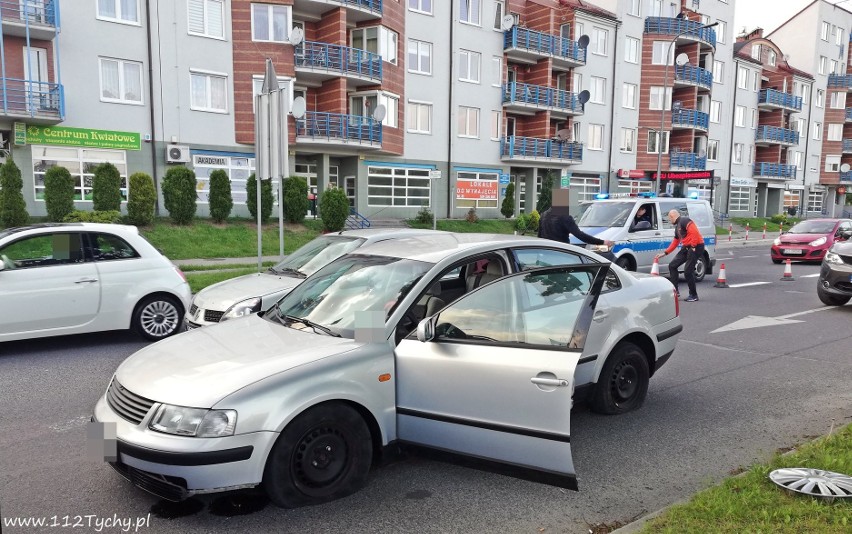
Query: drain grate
x=815 y=482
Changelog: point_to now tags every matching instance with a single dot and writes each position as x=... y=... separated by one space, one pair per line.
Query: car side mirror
x=426 y=329
x=846 y=234
x=641 y=225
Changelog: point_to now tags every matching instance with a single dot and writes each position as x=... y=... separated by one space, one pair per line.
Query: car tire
x=700 y=268
x=323 y=454
x=828 y=299
x=157 y=317
x=623 y=383
x=625 y=263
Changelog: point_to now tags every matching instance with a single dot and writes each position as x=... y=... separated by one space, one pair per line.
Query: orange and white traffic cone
x=788 y=272
x=655 y=268
x=721 y=281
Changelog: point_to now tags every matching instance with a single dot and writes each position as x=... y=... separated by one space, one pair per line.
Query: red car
x=810 y=239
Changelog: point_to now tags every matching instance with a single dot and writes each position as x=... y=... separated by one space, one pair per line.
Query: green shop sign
x=81 y=137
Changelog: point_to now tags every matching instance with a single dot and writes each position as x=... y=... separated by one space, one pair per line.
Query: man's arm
x=572 y=228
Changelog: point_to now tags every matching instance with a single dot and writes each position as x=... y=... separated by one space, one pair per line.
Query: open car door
x=492 y=375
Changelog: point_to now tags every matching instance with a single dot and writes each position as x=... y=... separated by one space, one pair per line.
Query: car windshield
x=316 y=254
x=609 y=214
x=334 y=295
x=812 y=227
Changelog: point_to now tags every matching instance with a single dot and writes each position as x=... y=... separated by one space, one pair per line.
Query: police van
x=639 y=239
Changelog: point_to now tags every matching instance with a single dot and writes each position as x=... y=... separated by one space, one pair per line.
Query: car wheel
x=700 y=268
x=157 y=317
x=322 y=455
x=828 y=299
x=625 y=263
x=623 y=383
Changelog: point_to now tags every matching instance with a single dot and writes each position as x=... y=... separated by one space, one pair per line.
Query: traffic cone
x=721 y=281
x=788 y=272
x=655 y=268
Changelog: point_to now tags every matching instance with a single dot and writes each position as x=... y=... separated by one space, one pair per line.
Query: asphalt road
x=733 y=394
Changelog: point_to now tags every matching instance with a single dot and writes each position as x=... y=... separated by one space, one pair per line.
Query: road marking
x=809 y=275
x=749 y=257
x=718 y=259
x=758 y=321
x=747 y=284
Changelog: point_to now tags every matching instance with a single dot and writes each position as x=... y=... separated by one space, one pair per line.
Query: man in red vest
x=687 y=234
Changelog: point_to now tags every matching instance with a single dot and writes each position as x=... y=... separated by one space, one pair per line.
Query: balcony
x=690 y=119
x=843 y=82
x=356 y=10
x=317 y=128
x=772 y=99
x=847 y=146
x=529 y=99
x=690 y=75
x=774 y=170
x=848 y=114
x=529 y=46
x=687 y=161
x=846 y=176
x=37 y=102
x=38 y=19
x=535 y=149
x=317 y=62
x=687 y=30
x=773 y=135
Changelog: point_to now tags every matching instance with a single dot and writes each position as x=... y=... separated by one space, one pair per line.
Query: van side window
x=667 y=207
x=700 y=214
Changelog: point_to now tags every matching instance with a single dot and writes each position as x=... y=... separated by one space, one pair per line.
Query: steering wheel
x=9 y=264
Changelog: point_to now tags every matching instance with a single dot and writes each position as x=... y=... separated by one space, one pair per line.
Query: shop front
x=683 y=184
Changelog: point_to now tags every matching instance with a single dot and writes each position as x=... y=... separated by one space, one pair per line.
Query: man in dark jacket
x=557 y=224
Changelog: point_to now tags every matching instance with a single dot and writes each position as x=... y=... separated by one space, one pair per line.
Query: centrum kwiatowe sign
x=80 y=137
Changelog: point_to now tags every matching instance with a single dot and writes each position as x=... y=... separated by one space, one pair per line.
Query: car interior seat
x=430 y=303
x=493 y=271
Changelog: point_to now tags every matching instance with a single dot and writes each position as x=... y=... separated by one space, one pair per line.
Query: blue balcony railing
x=539 y=95
x=771 y=96
x=536 y=148
x=775 y=134
x=849 y=114
x=337 y=127
x=774 y=170
x=22 y=98
x=339 y=59
x=374 y=6
x=690 y=118
x=694 y=75
x=32 y=12
x=544 y=43
x=836 y=80
x=847 y=146
x=846 y=176
x=687 y=160
x=675 y=26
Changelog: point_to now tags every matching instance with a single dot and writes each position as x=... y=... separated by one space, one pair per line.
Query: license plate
x=793 y=251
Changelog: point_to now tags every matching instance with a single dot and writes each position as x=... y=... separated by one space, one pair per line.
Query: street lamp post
x=681 y=60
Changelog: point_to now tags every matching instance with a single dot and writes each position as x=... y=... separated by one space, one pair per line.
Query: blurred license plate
x=793 y=251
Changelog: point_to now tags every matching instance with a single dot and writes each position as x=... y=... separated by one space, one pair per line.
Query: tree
x=58 y=193
x=106 y=188
x=334 y=209
x=295 y=199
x=13 y=207
x=508 y=206
x=179 y=194
x=141 y=199
x=266 y=198
x=545 y=199
x=220 y=199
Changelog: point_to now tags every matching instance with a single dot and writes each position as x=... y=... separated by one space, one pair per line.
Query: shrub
x=779 y=218
x=179 y=194
x=58 y=193
x=471 y=216
x=534 y=220
x=508 y=206
x=265 y=198
x=142 y=197
x=13 y=207
x=424 y=216
x=521 y=223
x=334 y=209
x=545 y=199
x=220 y=199
x=106 y=188
x=295 y=199
x=110 y=216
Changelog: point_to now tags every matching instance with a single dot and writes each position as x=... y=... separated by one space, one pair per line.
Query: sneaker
x=691 y=298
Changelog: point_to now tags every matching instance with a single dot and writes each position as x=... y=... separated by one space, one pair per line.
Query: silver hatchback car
x=471 y=344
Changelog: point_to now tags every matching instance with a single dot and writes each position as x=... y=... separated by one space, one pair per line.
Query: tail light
x=677 y=303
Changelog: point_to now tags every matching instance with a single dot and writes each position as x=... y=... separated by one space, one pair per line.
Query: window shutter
x=196 y=16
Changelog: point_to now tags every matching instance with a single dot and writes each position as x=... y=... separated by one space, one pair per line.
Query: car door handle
x=600 y=316
x=656 y=233
x=552 y=382
x=86 y=281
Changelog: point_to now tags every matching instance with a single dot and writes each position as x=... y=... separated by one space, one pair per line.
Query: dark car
x=810 y=239
x=835 y=277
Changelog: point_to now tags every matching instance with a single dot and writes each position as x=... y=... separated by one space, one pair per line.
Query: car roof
x=91 y=227
x=433 y=247
x=373 y=234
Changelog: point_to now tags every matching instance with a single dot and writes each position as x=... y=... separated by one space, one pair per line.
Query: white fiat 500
x=58 y=279
x=252 y=293
x=467 y=343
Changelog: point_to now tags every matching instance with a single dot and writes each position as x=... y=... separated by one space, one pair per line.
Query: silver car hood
x=225 y=294
x=200 y=367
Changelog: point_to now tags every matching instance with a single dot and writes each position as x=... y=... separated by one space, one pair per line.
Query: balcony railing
x=846 y=176
x=774 y=170
x=777 y=98
x=836 y=80
x=30 y=11
x=515 y=147
x=847 y=146
x=694 y=76
x=544 y=44
x=374 y=6
x=690 y=118
x=848 y=114
x=687 y=160
x=675 y=26
x=774 y=134
x=38 y=100
x=541 y=96
x=338 y=128
x=339 y=60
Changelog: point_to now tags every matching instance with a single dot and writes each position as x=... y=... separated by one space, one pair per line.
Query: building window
x=469 y=11
x=718 y=72
x=838 y=100
x=715 y=111
x=628 y=140
x=469 y=66
x=653 y=138
x=792 y=199
x=419 y=57
x=206 y=18
x=631 y=50
x=497 y=71
x=468 y=122
x=771 y=58
x=283 y=83
x=823 y=31
x=801 y=126
x=819 y=98
x=739 y=199
x=823 y=64
x=576 y=131
x=657 y=99
x=499 y=13
x=742 y=77
x=496 y=125
x=755 y=52
x=835 y=132
x=585 y=189
x=477 y=189
x=817 y=131
x=364 y=105
x=126 y=11
x=578 y=30
x=121 y=81
x=628 y=96
x=576 y=81
x=634 y=187
x=398 y=186
x=832 y=67
x=596 y=134
x=81 y=163
x=721 y=29
x=420 y=6
x=238 y=170
x=270 y=23
x=659 y=51
x=740 y=116
x=208 y=92
x=797 y=159
x=713 y=150
x=814 y=201
x=755 y=81
x=750 y=155
x=419 y=117
x=754 y=119
x=738 y=153
x=376 y=39
x=634 y=7
x=838 y=35
x=832 y=164
x=599 y=41
x=597 y=89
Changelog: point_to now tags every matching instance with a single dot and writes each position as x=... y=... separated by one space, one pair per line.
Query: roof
x=780 y=65
x=434 y=247
x=580 y=5
x=788 y=21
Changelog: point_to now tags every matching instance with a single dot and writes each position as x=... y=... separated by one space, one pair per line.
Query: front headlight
x=831 y=257
x=818 y=241
x=777 y=242
x=241 y=309
x=193 y=422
